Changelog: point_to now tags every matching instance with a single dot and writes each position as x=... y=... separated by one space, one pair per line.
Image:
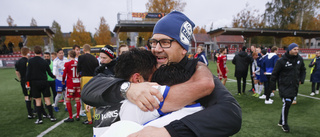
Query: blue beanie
x=177 y=26
x=291 y=46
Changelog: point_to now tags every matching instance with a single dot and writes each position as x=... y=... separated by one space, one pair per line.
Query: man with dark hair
x=76 y=48
x=36 y=75
x=241 y=61
x=21 y=69
x=57 y=70
x=290 y=72
x=170 y=43
x=51 y=81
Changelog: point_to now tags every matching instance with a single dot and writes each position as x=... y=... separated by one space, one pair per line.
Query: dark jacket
x=315 y=75
x=289 y=70
x=222 y=115
x=242 y=62
x=202 y=58
x=263 y=78
x=37 y=69
x=107 y=69
x=87 y=63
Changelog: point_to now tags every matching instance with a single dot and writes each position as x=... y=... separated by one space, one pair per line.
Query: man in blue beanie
x=290 y=72
x=170 y=43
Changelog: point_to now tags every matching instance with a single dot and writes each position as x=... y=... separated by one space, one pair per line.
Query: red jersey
x=222 y=60
x=73 y=77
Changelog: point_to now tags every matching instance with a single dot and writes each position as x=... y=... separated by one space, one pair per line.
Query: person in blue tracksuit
x=267 y=66
x=202 y=56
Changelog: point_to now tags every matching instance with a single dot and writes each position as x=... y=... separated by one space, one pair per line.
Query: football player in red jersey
x=222 y=68
x=73 y=86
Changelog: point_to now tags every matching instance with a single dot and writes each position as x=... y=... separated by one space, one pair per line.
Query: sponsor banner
x=147 y=15
x=7 y=63
x=304 y=56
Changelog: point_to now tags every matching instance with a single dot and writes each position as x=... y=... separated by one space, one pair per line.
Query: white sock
x=256 y=86
x=57 y=100
x=261 y=88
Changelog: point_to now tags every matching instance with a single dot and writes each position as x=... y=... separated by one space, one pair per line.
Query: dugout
x=276 y=33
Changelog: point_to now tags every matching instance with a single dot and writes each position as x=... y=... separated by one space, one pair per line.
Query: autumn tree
x=14 y=39
x=58 y=40
x=198 y=30
x=79 y=35
x=248 y=18
x=280 y=14
x=102 y=35
x=35 y=40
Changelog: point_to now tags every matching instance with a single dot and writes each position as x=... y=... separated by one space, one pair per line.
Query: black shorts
x=39 y=86
x=24 y=89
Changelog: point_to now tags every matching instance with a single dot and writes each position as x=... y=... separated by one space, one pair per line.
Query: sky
x=67 y=12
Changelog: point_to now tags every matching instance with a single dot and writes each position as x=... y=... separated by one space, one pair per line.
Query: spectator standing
x=36 y=75
x=202 y=55
x=252 y=49
x=267 y=66
x=86 y=66
x=21 y=69
x=10 y=45
x=107 y=61
x=241 y=62
x=290 y=72
x=222 y=68
x=315 y=73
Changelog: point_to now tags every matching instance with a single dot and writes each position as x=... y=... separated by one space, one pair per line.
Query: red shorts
x=224 y=74
x=73 y=92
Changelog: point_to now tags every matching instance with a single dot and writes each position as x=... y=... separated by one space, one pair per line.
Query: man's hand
x=142 y=94
x=62 y=82
x=150 y=131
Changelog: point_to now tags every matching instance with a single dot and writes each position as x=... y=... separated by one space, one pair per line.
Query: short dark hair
x=244 y=48
x=59 y=50
x=47 y=53
x=37 y=50
x=222 y=49
x=72 y=53
x=170 y=74
x=54 y=53
x=135 y=61
x=75 y=46
x=264 y=51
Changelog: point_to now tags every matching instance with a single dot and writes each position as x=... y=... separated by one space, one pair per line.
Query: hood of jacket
x=270 y=55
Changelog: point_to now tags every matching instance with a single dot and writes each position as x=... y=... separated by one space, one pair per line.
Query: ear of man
x=136 y=78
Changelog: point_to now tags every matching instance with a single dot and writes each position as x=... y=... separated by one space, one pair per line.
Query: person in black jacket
x=37 y=76
x=241 y=61
x=170 y=43
x=107 y=61
x=291 y=72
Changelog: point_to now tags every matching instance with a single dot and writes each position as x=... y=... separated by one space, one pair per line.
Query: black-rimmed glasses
x=164 y=43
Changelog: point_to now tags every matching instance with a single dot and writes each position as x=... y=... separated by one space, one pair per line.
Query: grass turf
x=258 y=119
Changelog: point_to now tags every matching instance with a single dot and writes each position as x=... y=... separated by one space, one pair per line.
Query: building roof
x=202 y=37
x=249 y=32
x=230 y=38
x=134 y=26
x=25 y=30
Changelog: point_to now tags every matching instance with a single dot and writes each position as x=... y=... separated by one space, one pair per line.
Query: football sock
x=39 y=112
x=68 y=104
x=261 y=87
x=78 y=107
x=256 y=86
x=42 y=109
x=28 y=105
x=57 y=100
x=49 y=107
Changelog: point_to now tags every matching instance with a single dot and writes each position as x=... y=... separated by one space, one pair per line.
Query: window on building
x=311 y=43
x=319 y=44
